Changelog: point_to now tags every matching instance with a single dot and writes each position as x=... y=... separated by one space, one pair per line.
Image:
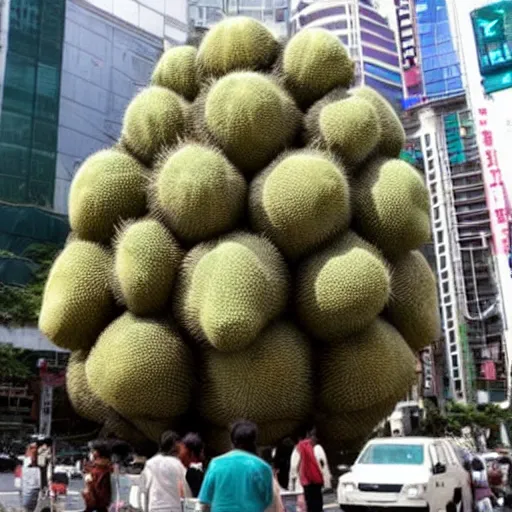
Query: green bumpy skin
x=235 y=44
x=314 y=63
x=392 y=138
x=250 y=117
x=77 y=300
x=300 y=202
x=141 y=368
x=229 y=290
x=269 y=383
x=349 y=371
x=350 y=128
x=176 y=70
x=108 y=188
x=198 y=193
x=414 y=307
x=155 y=118
x=342 y=289
x=392 y=207
x=147 y=259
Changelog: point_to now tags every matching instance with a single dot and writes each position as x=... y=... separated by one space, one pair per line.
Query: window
x=399 y=454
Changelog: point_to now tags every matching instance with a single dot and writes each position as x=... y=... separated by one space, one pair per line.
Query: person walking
x=163 y=482
x=98 y=487
x=482 y=493
x=306 y=472
x=191 y=454
x=238 y=481
x=30 y=479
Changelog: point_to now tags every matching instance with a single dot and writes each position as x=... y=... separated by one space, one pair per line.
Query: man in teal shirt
x=239 y=481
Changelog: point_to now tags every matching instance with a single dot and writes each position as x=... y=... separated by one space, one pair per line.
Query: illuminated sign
x=492 y=26
x=497 y=200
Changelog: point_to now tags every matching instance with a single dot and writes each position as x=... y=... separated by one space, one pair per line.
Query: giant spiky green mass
x=260 y=238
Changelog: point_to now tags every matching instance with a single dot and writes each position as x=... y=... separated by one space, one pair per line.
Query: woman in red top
x=310 y=474
x=98 y=489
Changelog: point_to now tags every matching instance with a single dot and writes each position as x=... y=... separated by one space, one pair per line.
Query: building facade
x=366 y=33
x=67 y=71
x=444 y=127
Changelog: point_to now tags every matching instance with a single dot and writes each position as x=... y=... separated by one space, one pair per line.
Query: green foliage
x=14 y=363
x=21 y=305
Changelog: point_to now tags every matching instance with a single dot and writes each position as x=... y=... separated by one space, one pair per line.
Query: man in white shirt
x=163 y=482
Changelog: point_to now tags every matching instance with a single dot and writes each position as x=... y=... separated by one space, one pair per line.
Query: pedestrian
x=281 y=462
x=191 y=454
x=30 y=479
x=98 y=487
x=306 y=473
x=163 y=482
x=238 y=481
x=482 y=493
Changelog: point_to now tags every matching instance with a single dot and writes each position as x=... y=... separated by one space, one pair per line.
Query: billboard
x=492 y=26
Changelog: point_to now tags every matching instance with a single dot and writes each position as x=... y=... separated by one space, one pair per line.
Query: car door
x=438 y=490
x=461 y=477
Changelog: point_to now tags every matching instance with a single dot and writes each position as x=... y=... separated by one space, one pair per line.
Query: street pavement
x=10 y=499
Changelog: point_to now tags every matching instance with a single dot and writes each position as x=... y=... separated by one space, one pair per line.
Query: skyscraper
x=366 y=33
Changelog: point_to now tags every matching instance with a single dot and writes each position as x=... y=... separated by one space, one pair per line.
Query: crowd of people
x=239 y=481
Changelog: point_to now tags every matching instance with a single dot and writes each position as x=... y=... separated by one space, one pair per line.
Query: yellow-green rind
x=301 y=201
x=228 y=291
x=234 y=44
x=108 y=188
x=269 y=382
x=341 y=289
x=147 y=258
x=141 y=368
x=414 y=306
x=392 y=206
x=198 y=193
x=392 y=138
x=77 y=300
x=155 y=118
x=314 y=63
x=176 y=70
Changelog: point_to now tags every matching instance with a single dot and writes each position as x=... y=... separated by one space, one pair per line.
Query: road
x=9 y=496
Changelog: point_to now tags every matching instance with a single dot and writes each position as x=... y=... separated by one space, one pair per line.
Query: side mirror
x=439 y=469
x=343 y=469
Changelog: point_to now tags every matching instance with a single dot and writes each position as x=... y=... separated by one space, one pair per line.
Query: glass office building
x=366 y=33
x=440 y=63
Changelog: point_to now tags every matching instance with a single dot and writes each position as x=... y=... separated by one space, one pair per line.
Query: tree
x=14 y=363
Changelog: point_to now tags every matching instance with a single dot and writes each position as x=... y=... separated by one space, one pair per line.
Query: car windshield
x=405 y=454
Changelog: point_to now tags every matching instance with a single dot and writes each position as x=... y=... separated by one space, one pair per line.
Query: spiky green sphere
x=147 y=258
x=250 y=118
x=141 y=368
x=314 y=63
x=77 y=299
x=300 y=201
x=176 y=70
x=350 y=369
x=198 y=193
x=392 y=138
x=414 y=306
x=392 y=206
x=350 y=128
x=107 y=189
x=342 y=288
x=237 y=44
x=257 y=233
x=229 y=290
x=277 y=366
x=154 y=119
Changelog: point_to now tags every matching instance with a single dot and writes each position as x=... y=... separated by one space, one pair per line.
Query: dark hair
x=102 y=449
x=244 y=435
x=477 y=464
x=168 y=442
x=194 y=444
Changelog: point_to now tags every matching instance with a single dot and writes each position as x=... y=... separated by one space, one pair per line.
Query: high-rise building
x=443 y=126
x=366 y=33
x=274 y=13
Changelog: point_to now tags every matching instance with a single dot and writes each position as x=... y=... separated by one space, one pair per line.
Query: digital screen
x=492 y=26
